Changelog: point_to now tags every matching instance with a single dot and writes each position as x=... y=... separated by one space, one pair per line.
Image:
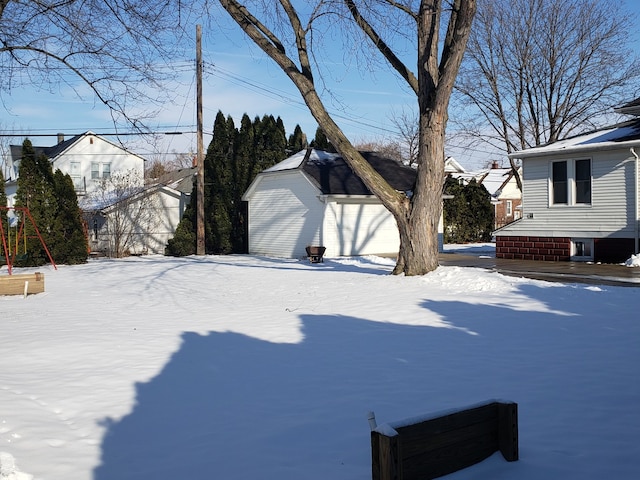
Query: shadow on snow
x=234 y=407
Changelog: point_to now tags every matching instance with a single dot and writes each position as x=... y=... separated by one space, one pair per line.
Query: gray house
x=580 y=197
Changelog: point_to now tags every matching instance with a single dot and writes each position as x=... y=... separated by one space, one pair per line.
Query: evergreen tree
x=184 y=240
x=3 y=194
x=481 y=212
x=234 y=157
x=274 y=142
x=297 y=141
x=453 y=210
x=321 y=142
x=219 y=186
x=245 y=170
x=469 y=215
x=3 y=213
x=36 y=192
x=68 y=242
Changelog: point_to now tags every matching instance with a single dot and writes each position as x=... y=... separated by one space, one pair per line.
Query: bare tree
x=122 y=215
x=388 y=149
x=537 y=71
x=181 y=160
x=416 y=214
x=119 y=49
x=407 y=125
x=159 y=165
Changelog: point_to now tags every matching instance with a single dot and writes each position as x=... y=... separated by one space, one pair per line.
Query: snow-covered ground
x=239 y=367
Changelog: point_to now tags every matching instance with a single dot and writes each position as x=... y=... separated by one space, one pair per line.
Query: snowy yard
x=239 y=367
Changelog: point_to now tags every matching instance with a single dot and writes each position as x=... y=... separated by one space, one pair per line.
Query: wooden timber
x=15 y=284
x=434 y=447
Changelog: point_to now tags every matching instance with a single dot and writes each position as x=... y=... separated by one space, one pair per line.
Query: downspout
x=637 y=205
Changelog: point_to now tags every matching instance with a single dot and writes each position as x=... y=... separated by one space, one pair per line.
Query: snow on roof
x=452 y=166
x=495 y=178
x=609 y=137
x=294 y=161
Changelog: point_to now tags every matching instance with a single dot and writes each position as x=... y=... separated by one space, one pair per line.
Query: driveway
x=569 y=272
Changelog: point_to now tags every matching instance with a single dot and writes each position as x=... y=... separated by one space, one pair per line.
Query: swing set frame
x=10 y=249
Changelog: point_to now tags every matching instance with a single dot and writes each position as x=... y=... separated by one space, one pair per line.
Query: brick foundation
x=548 y=249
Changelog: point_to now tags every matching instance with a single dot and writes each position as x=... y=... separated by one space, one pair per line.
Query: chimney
x=60 y=137
x=495 y=164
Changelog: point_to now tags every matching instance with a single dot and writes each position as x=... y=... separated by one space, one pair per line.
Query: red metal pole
x=4 y=246
x=26 y=211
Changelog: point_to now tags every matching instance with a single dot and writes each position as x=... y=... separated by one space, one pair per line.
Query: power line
x=107 y=134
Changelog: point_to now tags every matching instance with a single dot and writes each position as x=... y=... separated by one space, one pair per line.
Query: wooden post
x=386 y=463
x=200 y=170
x=508 y=430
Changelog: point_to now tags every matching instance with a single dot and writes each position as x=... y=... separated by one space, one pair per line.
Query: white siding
x=611 y=212
x=157 y=215
x=359 y=227
x=285 y=215
x=510 y=190
x=92 y=149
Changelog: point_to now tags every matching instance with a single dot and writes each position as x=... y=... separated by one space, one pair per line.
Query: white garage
x=314 y=199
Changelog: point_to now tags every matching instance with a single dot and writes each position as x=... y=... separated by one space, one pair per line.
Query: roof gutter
x=588 y=147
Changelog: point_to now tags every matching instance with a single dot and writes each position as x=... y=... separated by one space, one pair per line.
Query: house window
x=559 y=183
x=75 y=174
x=570 y=182
x=583 y=181
x=582 y=249
x=100 y=170
x=509 y=208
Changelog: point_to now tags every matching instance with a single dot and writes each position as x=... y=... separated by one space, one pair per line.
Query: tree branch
x=386 y=51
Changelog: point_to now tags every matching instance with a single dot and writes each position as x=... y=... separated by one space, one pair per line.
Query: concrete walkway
x=569 y=272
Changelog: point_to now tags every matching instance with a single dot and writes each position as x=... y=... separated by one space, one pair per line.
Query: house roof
x=630 y=108
x=333 y=175
x=493 y=179
x=180 y=180
x=55 y=150
x=621 y=135
x=452 y=166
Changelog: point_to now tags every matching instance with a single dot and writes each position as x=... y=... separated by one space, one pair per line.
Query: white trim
x=581 y=249
x=571 y=183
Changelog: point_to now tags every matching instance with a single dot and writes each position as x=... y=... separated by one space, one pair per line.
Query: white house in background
x=87 y=158
x=580 y=198
x=506 y=197
x=149 y=217
x=501 y=184
x=314 y=199
x=451 y=166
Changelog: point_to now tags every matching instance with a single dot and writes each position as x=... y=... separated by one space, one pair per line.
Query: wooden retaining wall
x=15 y=284
x=434 y=447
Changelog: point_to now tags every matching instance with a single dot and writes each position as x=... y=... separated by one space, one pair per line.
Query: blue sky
x=237 y=79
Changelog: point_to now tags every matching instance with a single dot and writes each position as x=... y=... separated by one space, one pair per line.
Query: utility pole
x=200 y=154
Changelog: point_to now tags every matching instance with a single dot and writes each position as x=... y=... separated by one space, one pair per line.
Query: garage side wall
x=285 y=215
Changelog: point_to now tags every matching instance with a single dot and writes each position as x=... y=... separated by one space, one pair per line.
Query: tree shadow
x=231 y=406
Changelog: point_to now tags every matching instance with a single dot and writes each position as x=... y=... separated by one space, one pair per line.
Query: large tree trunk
x=418 y=221
x=417 y=215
